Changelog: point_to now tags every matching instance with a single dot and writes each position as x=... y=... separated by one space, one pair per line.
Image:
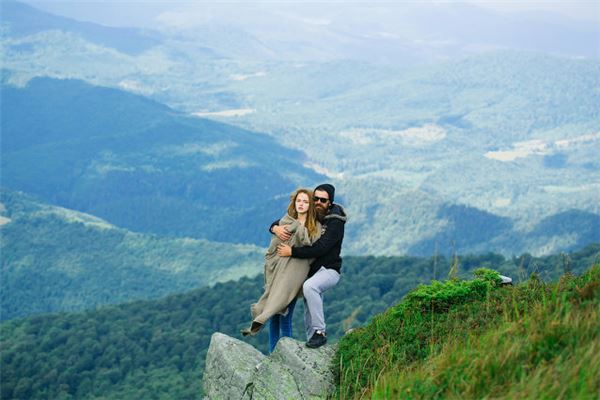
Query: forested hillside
x=156 y=349
x=508 y=137
x=143 y=166
x=55 y=259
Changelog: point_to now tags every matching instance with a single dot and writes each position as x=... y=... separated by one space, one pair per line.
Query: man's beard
x=321 y=212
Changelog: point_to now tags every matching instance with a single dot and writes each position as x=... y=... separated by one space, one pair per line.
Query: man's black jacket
x=326 y=250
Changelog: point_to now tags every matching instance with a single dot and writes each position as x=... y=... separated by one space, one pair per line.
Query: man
x=325 y=269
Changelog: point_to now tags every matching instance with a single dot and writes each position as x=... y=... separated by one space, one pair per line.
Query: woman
x=284 y=276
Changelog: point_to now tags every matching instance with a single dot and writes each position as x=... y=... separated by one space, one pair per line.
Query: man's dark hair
x=326 y=187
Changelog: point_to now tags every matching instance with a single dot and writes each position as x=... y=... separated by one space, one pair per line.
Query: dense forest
x=156 y=349
x=142 y=166
x=55 y=259
x=146 y=167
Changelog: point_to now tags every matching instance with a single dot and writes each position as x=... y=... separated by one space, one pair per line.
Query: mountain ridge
x=24 y=20
x=58 y=260
x=154 y=169
x=142 y=166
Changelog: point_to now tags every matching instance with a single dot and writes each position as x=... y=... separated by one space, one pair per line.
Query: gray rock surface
x=293 y=371
x=230 y=365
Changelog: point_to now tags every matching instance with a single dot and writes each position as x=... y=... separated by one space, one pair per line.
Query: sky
x=379 y=31
x=146 y=13
x=586 y=10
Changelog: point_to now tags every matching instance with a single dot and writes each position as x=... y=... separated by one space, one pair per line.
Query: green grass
x=475 y=339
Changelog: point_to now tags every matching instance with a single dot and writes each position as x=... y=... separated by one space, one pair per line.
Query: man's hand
x=281 y=233
x=283 y=250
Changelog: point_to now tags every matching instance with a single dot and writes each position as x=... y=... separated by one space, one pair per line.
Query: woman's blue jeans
x=280 y=326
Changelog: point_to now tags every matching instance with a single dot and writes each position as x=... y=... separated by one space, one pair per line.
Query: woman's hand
x=284 y=250
x=281 y=233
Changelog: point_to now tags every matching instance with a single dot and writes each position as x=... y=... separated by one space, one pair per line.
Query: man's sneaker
x=318 y=339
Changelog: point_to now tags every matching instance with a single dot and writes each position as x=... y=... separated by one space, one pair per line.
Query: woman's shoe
x=253 y=330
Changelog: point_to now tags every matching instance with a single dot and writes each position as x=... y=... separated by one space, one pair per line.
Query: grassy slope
x=473 y=339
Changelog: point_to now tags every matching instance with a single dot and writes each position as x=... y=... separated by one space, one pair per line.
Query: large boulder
x=230 y=365
x=292 y=371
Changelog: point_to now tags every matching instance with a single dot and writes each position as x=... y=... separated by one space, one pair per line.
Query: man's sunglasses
x=318 y=199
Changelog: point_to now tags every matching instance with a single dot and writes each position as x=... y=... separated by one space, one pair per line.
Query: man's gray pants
x=313 y=288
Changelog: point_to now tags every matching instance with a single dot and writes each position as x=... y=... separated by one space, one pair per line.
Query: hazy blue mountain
x=143 y=166
x=477 y=231
x=509 y=133
x=512 y=134
x=399 y=194
x=466 y=227
x=387 y=32
x=50 y=111
x=55 y=259
x=575 y=227
x=23 y=20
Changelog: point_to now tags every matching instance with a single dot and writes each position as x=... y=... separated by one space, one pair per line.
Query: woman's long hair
x=311 y=216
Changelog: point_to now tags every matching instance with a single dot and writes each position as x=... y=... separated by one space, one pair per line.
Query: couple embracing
x=303 y=260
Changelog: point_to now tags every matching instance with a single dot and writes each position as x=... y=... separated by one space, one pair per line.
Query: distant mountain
x=571 y=229
x=418 y=223
x=405 y=33
x=55 y=259
x=156 y=349
x=465 y=227
x=390 y=32
x=22 y=20
x=478 y=231
x=403 y=196
x=143 y=166
x=508 y=134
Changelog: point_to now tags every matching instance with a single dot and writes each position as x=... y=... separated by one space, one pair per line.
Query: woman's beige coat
x=284 y=276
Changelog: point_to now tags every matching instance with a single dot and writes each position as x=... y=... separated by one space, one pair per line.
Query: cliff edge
x=236 y=370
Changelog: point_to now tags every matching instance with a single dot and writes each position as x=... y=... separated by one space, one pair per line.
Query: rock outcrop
x=236 y=370
x=229 y=366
